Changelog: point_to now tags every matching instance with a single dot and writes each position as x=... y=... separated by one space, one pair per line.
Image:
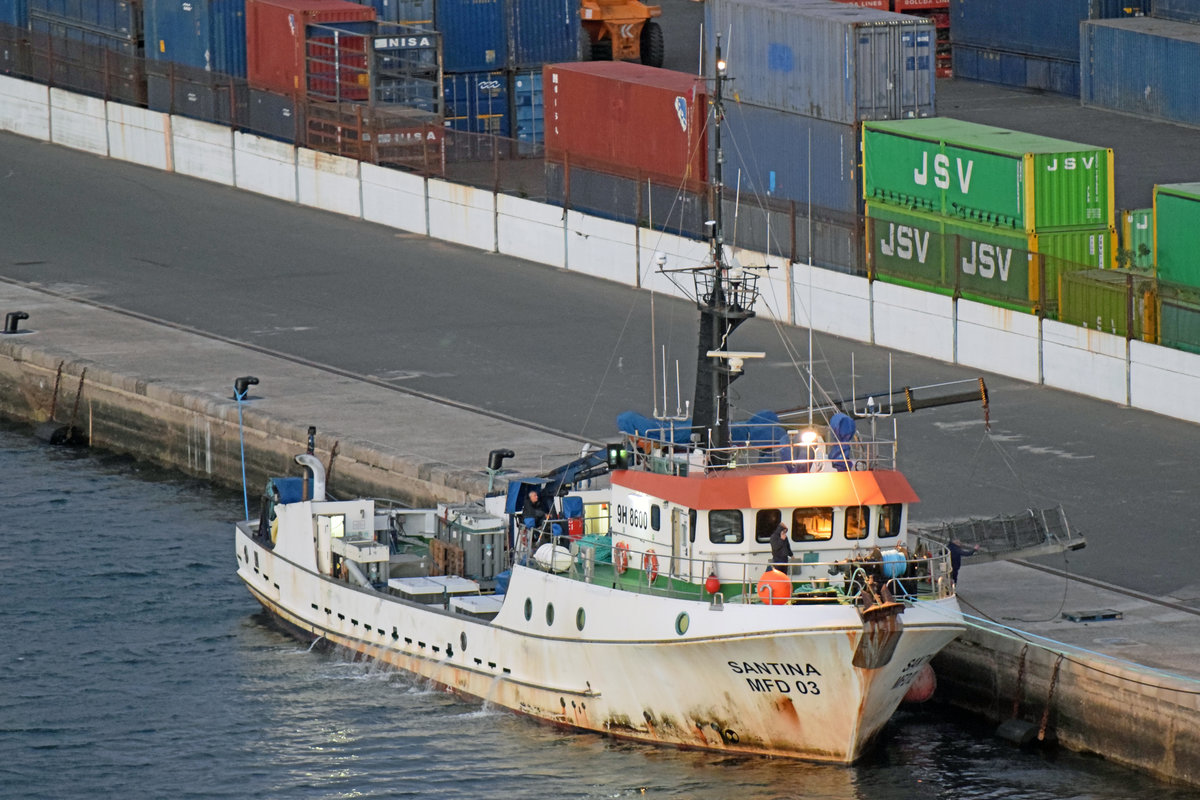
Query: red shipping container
x=628 y=119
x=904 y=6
x=276 y=40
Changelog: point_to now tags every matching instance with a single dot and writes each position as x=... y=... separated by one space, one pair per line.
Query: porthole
x=580 y=619
x=528 y=609
x=682 y=622
x=462 y=641
x=549 y=613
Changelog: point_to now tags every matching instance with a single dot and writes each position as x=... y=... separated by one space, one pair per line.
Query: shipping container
x=1021 y=70
x=909 y=6
x=208 y=34
x=275 y=116
x=628 y=119
x=640 y=202
x=409 y=12
x=879 y=5
x=1108 y=301
x=528 y=111
x=835 y=62
x=1177 y=233
x=475 y=33
x=1031 y=27
x=979 y=260
x=770 y=152
x=1179 y=324
x=1137 y=239
x=196 y=93
x=14 y=13
x=116 y=19
x=1142 y=66
x=277 y=40
x=477 y=102
x=93 y=62
x=988 y=175
x=543 y=32
x=1179 y=10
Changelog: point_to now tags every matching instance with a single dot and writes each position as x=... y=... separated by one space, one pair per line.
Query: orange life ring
x=650 y=564
x=621 y=558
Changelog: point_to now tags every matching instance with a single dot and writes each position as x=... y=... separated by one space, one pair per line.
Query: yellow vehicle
x=623 y=30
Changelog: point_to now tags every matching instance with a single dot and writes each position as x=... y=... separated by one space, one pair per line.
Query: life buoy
x=650 y=565
x=621 y=558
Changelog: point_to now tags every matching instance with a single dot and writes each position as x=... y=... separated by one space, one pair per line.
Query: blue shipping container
x=1016 y=69
x=1179 y=10
x=15 y=13
x=84 y=47
x=543 y=32
x=474 y=34
x=477 y=102
x=528 y=115
x=115 y=18
x=206 y=34
x=767 y=153
x=410 y=12
x=1142 y=66
x=1031 y=27
x=833 y=61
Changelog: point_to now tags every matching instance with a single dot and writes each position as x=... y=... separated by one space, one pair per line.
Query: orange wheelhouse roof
x=783 y=490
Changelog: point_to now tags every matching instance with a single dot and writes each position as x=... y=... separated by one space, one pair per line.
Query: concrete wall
x=957 y=331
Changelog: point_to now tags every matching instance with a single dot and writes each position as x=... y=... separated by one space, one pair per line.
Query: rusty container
x=278 y=41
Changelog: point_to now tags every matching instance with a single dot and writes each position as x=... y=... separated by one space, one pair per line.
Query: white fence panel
x=913 y=321
x=78 y=122
x=836 y=303
x=328 y=182
x=462 y=214
x=202 y=150
x=393 y=198
x=529 y=230
x=24 y=108
x=1165 y=381
x=139 y=135
x=265 y=166
x=998 y=340
x=601 y=247
x=1084 y=361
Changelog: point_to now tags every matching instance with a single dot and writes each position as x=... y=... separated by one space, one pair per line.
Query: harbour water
x=136 y=666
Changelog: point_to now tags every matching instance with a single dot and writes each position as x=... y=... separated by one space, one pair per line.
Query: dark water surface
x=136 y=666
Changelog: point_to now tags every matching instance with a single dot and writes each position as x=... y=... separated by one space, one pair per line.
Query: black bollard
x=12 y=320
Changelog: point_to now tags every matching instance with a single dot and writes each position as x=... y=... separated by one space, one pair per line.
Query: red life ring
x=621 y=558
x=650 y=564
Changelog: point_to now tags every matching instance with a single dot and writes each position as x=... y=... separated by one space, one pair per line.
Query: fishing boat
x=637 y=594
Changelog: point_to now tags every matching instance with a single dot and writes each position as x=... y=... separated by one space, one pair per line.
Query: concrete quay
x=1125 y=686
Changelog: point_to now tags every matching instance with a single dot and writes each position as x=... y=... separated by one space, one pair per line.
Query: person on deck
x=533 y=509
x=781 y=548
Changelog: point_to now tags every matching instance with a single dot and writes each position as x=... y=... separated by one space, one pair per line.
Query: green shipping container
x=1179 y=325
x=1177 y=233
x=1137 y=239
x=988 y=175
x=1099 y=300
x=979 y=261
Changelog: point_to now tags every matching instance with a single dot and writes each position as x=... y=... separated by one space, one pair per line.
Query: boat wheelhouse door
x=681 y=557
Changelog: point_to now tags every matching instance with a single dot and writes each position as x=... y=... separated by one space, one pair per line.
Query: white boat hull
x=763 y=680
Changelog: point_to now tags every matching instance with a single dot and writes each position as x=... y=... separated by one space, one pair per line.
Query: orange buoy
x=621 y=558
x=923 y=686
x=774 y=588
x=650 y=565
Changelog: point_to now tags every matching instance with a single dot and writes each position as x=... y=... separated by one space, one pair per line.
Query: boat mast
x=725 y=298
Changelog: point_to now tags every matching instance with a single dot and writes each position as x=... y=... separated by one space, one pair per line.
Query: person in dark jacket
x=532 y=509
x=781 y=548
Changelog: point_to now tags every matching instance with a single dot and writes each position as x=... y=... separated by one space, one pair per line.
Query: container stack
x=936 y=11
x=1176 y=216
x=494 y=51
x=627 y=142
x=98 y=45
x=1144 y=66
x=196 y=57
x=984 y=212
x=805 y=75
x=1031 y=44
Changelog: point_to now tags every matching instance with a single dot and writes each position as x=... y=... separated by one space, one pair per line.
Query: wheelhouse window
x=691 y=525
x=812 y=524
x=857 y=522
x=655 y=517
x=889 y=520
x=725 y=526
x=765 y=524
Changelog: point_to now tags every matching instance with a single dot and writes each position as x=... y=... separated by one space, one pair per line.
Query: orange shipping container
x=629 y=120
